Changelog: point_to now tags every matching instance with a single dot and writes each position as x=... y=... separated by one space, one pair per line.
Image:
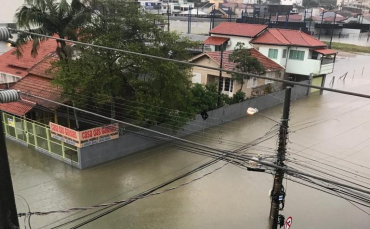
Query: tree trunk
x=112 y=106
x=75 y=114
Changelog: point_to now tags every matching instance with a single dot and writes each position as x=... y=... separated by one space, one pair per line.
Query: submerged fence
x=37 y=136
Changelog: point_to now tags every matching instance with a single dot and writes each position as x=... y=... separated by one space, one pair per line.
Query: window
x=284 y=53
x=176 y=7
x=273 y=53
x=296 y=55
x=196 y=78
x=226 y=84
x=252 y=82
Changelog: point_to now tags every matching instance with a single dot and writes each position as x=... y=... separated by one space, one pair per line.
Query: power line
x=222 y=152
x=195 y=65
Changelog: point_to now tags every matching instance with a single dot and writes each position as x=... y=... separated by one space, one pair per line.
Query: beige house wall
x=209 y=76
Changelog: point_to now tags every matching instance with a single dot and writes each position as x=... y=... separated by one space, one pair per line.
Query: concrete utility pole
x=332 y=31
x=8 y=210
x=278 y=192
x=220 y=79
x=322 y=18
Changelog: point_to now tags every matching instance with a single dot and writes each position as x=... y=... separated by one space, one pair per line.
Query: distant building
x=303 y=56
x=234 y=32
x=228 y=85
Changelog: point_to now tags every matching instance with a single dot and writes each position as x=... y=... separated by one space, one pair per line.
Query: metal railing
x=37 y=135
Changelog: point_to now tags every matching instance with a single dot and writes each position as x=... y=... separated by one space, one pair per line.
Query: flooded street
x=331 y=127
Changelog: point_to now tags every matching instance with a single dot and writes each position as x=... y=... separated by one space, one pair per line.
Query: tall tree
x=244 y=62
x=51 y=17
x=130 y=86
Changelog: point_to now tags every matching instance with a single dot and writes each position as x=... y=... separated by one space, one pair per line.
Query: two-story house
x=228 y=85
x=234 y=32
x=303 y=56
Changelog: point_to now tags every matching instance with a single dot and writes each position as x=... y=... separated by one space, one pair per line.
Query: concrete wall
x=132 y=142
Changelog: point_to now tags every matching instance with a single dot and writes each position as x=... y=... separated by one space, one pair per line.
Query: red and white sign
x=64 y=131
x=98 y=132
x=86 y=137
x=288 y=222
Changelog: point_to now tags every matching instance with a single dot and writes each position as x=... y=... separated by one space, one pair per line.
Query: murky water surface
x=322 y=127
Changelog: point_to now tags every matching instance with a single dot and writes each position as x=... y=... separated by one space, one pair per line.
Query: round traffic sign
x=288 y=222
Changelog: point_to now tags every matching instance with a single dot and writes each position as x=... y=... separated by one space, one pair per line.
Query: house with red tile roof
x=14 y=68
x=303 y=56
x=229 y=86
x=234 y=32
x=31 y=75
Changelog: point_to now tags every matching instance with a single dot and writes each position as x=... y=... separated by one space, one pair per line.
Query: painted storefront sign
x=86 y=137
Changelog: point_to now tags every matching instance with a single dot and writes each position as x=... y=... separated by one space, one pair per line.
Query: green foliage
x=268 y=89
x=310 y=3
x=154 y=91
x=349 y=47
x=238 y=97
x=244 y=63
x=51 y=17
x=204 y=97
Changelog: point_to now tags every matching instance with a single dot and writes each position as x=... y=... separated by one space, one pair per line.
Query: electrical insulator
x=4 y=34
x=8 y=96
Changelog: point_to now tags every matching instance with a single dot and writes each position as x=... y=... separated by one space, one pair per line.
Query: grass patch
x=349 y=47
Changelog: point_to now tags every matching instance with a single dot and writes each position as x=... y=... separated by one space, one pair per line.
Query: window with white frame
x=252 y=82
x=296 y=55
x=226 y=84
x=273 y=53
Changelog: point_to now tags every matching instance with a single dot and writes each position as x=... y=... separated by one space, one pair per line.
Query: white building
x=303 y=56
x=234 y=32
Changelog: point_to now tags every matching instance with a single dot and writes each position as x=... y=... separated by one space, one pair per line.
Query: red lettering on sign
x=97 y=132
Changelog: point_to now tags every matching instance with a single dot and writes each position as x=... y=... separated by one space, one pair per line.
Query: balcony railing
x=310 y=66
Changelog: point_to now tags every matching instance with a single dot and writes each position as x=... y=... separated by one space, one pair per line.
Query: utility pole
x=220 y=80
x=168 y=17
x=322 y=18
x=278 y=192
x=332 y=31
x=8 y=210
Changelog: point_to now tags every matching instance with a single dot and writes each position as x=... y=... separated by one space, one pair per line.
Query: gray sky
x=8 y=8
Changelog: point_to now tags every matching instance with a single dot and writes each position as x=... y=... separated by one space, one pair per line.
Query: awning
x=326 y=51
x=215 y=40
x=19 y=108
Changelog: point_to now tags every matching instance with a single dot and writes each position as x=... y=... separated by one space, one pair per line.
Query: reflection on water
x=229 y=198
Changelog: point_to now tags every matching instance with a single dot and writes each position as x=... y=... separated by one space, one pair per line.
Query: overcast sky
x=8 y=8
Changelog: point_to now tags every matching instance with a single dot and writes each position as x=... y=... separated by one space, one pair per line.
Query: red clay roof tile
x=287 y=37
x=238 y=29
x=11 y=64
x=19 y=108
x=41 y=87
x=268 y=64
x=215 y=40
